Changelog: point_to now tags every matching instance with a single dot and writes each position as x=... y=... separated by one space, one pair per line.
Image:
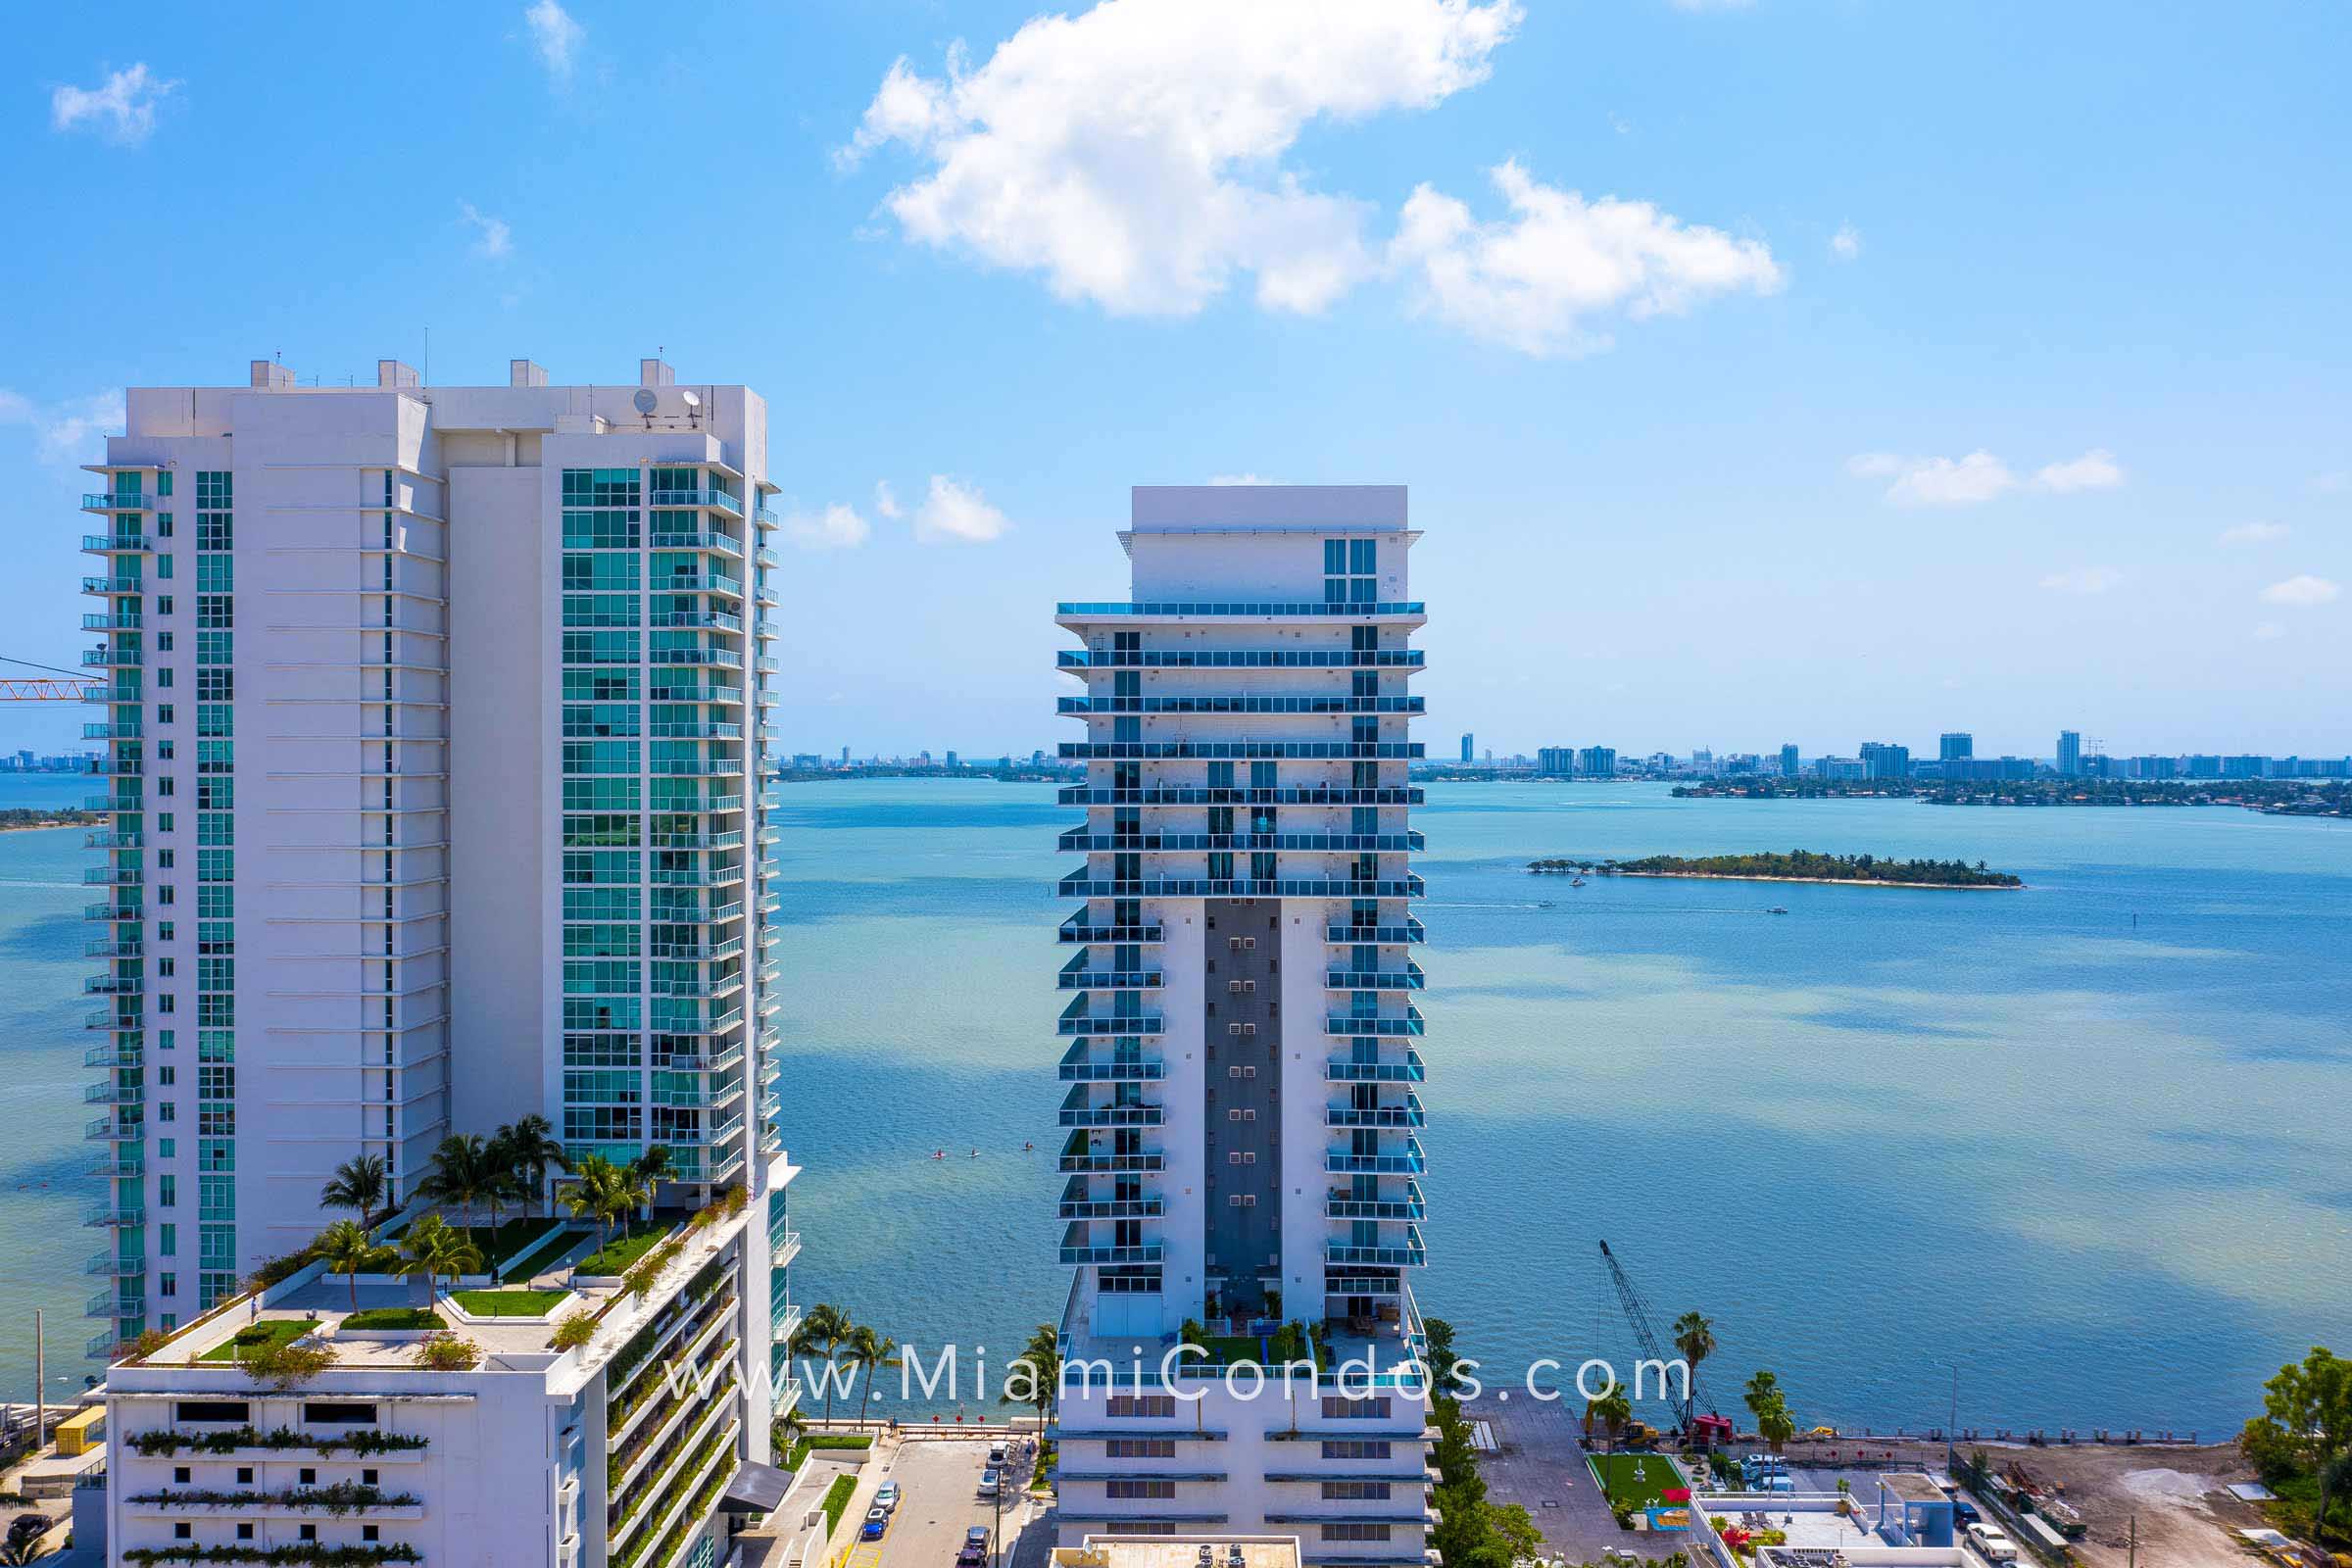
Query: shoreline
x=1818 y=881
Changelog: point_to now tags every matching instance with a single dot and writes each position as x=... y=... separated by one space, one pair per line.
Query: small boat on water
x=1576 y=881
x=1776 y=909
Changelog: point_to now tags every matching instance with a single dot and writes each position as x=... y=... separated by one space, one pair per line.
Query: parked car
x=34 y=1525
x=887 y=1496
x=996 y=1455
x=971 y=1556
x=1964 y=1513
x=977 y=1536
x=1991 y=1544
x=877 y=1520
x=989 y=1481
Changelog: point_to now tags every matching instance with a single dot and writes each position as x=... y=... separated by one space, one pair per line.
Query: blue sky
x=1762 y=372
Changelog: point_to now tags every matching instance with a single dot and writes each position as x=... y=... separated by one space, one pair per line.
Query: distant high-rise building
x=1465 y=746
x=1597 y=762
x=1702 y=759
x=1957 y=744
x=1241 y=1049
x=845 y=757
x=1555 y=760
x=2069 y=754
x=953 y=761
x=1884 y=759
x=1790 y=764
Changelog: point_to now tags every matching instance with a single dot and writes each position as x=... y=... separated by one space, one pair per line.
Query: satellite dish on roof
x=690 y=398
x=647 y=399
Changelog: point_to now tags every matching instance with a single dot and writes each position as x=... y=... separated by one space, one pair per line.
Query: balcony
x=123 y=1015
x=1340 y=1070
x=1139 y=843
x=117 y=911
x=694 y=876
x=1342 y=1163
x=112 y=587
x=119 y=500
x=1073 y=1252
x=1377 y=935
x=107 y=1211
x=767 y=519
x=121 y=876
x=113 y=985
x=112 y=839
x=1077 y=928
x=1078 y=1159
x=1408 y=1115
x=713 y=657
x=1340 y=1204
x=130 y=946
x=1241 y=659
x=113 y=1094
x=111 y=1265
x=113 y=1130
x=1187 y=610
x=723 y=544
x=1079 y=1067
x=1074 y=977
x=1075 y=1204
x=1085 y=885
x=1239 y=705
x=113 y=1303
x=115 y=658
x=694 y=619
x=1412 y=1255
x=117 y=620
x=696 y=767
x=1410 y=1026
x=1277 y=795
x=1371 y=1284
x=117 y=544
x=126 y=1167
x=1238 y=751
x=1076 y=1020
x=705 y=499
x=116 y=1055
x=1408 y=978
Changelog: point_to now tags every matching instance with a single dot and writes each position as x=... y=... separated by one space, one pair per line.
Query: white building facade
x=1240 y=1119
x=434 y=724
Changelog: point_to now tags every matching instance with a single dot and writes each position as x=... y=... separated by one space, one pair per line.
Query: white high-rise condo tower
x=1243 y=1148
x=435 y=719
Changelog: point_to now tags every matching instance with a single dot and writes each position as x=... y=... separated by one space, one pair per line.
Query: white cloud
x=1132 y=154
x=957 y=512
x=2096 y=470
x=2332 y=483
x=1847 y=243
x=2270 y=632
x=2303 y=591
x=68 y=431
x=491 y=237
x=122 y=107
x=556 y=37
x=1935 y=482
x=886 y=500
x=2082 y=580
x=837 y=527
x=1530 y=281
x=2254 y=533
x=1979 y=478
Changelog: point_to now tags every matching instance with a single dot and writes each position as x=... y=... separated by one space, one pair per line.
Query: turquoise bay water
x=2105 y=1167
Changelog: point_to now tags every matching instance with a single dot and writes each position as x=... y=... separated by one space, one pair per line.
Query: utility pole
x=2133 y=1560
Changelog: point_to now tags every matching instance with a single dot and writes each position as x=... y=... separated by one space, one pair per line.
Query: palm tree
x=460 y=1171
x=532 y=1147
x=1042 y=1356
x=497 y=1160
x=23 y=1543
x=434 y=1249
x=1762 y=1390
x=651 y=1168
x=360 y=1185
x=870 y=1352
x=1774 y=1424
x=790 y=1428
x=823 y=1333
x=1694 y=1337
x=1612 y=1410
x=350 y=1249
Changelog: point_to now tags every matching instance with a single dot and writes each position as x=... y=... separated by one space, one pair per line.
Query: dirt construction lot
x=2187 y=1518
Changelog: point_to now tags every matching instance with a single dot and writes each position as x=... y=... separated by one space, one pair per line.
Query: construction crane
x=1637 y=1312
x=43 y=688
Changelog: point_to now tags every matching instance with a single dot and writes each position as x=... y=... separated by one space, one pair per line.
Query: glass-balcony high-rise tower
x=1240 y=1124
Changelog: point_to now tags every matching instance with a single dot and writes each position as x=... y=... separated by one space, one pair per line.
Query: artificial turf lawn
x=615 y=1255
x=272 y=1331
x=1616 y=1474
x=509 y=1304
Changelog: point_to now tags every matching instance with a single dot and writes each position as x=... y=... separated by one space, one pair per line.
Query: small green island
x=1797 y=865
x=21 y=818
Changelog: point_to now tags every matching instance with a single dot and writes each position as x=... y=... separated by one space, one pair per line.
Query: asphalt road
x=940 y=1482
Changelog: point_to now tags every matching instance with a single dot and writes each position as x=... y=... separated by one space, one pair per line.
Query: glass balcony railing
x=1410 y=1026
x=1411 y=1254
x=1344 y=1162
x=1077 y=1159
x=1296 y=751
x=678 y=499
x=724 y=544
x=1407 y=1116
x=115 y=1055
x=1377 y=935
x=1112 y=1115
x=107 y=1211
x=1079 y=928
x=115 y=1266
x=1198 y=795
x=1340 y=1204
x=1078 y=1021
x=113 y=985
x=698 y=582
x=1339 y=1070
x=120 y=621
x=1139 y=843
x=1175 y=609
x=1080 y=1068
x=119 y=500
x=1408 y=978
x=113 y=1094
x=1085 y=885
x=113 y=1129
x=1074 y=977
x=117 y=544
x=1241 y=659
x=113 y=658
x=118 y=909
x=108 y=587
x=1075 y=1252
x=1336 y=703
x=1079 y=1206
